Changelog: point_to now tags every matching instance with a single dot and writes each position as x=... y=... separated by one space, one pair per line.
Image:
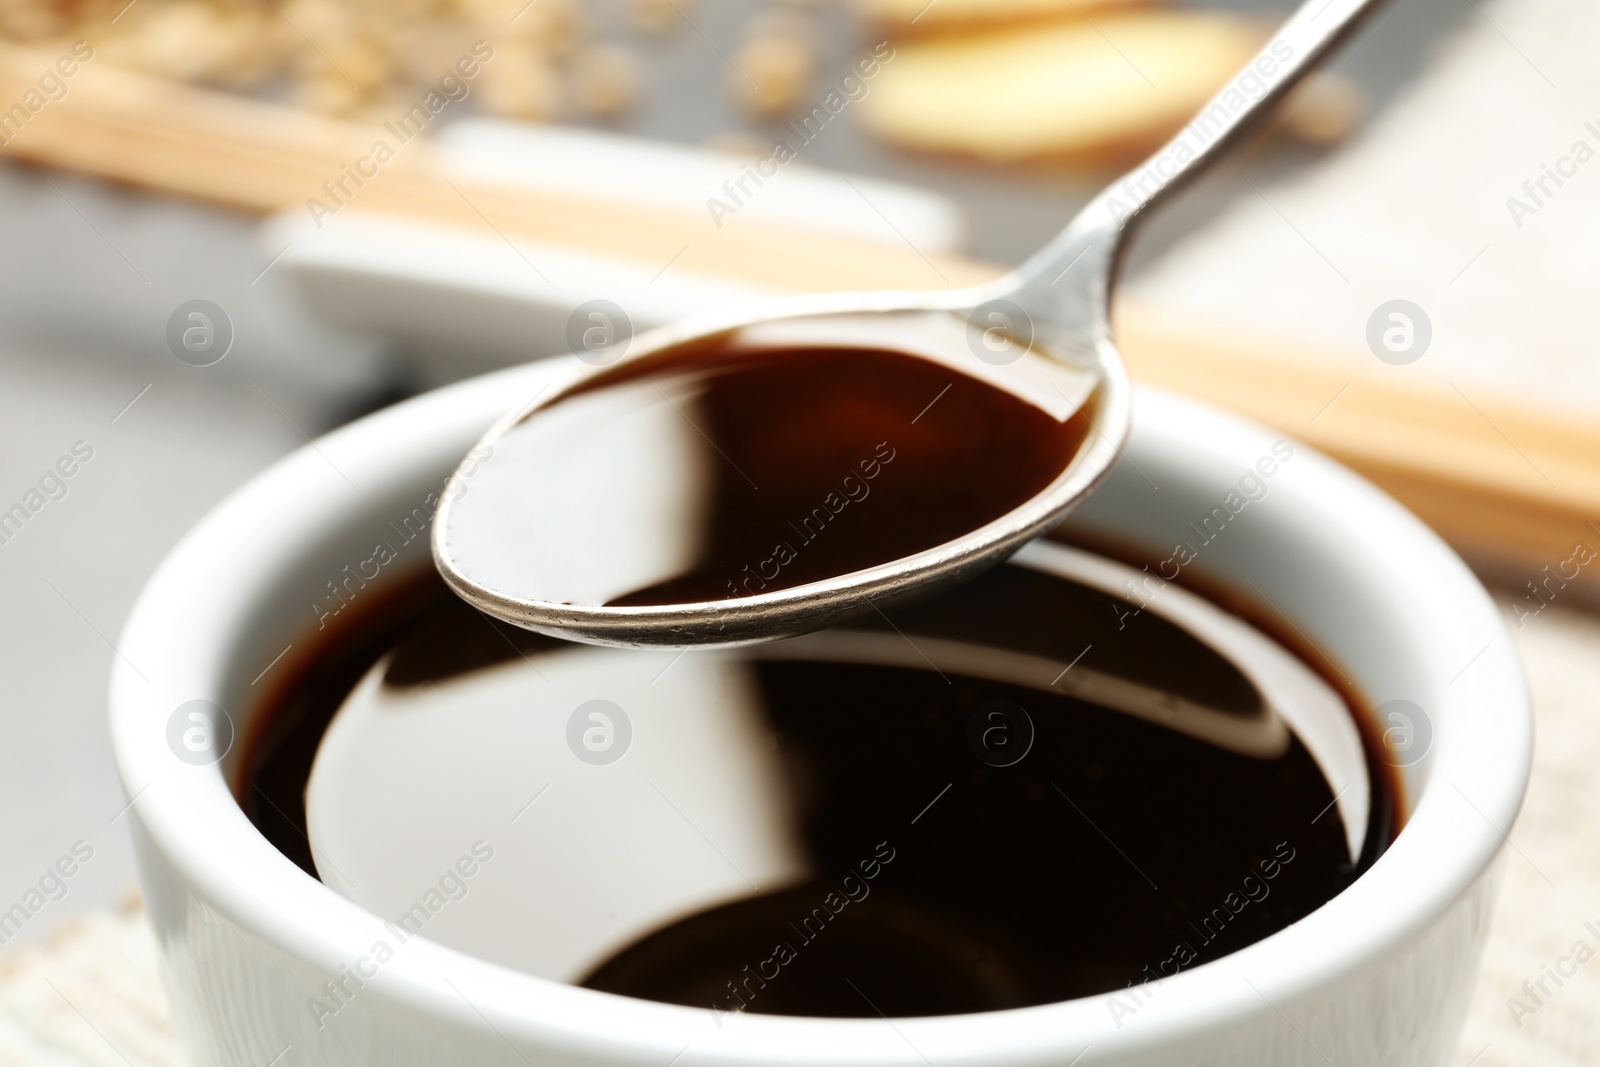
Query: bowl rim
x=180 y=632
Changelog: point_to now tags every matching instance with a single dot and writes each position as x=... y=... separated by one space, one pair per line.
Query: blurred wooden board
x=1515 y=480
x=901 y=17
x=1506 y=479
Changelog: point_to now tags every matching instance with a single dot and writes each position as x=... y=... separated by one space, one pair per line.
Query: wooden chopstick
x=1514 y=481
x=262 y=157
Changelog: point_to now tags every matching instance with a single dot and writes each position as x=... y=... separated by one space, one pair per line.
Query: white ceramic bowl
x=1380 y=975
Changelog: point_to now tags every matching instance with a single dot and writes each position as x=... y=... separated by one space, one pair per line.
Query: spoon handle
x=1068 y=283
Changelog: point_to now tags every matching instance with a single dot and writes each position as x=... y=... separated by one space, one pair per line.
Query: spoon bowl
x=586 y=573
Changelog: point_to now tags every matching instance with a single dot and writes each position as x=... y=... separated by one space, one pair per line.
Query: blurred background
x=208 y=260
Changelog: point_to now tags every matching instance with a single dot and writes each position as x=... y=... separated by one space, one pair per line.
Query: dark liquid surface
x=945 y=872
x=784 y=466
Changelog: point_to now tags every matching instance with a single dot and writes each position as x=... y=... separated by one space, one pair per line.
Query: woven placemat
x=1550 y=901
x=91 y=995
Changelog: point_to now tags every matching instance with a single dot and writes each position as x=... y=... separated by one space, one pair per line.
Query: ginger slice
x=1109 y=86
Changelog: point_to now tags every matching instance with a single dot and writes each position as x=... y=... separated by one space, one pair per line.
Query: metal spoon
x=551 y=521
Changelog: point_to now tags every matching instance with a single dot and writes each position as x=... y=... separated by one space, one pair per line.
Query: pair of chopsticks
x=1515 y=482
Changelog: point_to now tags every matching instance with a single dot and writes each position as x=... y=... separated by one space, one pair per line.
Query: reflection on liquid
x=768 y=459
x=759 y=787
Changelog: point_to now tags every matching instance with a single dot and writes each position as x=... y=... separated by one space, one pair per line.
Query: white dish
x=1379 y=976
x=461 y=302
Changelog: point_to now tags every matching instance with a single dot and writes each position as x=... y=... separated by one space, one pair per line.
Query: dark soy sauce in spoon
x=737 y=465
x=826 y=472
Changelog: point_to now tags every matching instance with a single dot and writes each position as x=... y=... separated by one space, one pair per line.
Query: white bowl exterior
x=1380 y=975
